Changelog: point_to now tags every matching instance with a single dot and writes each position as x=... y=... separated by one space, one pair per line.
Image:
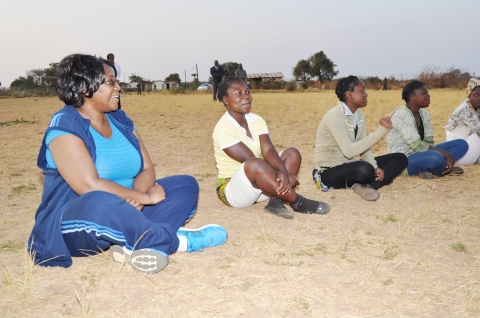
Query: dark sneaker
x=145 y=260
x=207 y=236
x=308 y=206
x=456 y=171
x=426 y=175
x=276 y=207
x=366 y=192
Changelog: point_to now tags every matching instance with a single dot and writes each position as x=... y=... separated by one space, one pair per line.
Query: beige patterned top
x=464 y=120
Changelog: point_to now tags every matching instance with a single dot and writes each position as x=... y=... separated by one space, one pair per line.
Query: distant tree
x=322 y=67
x=51 y=73
x=173 y=77
x=23 y=83
x=136 y=78
x=229 y=68
x=301 y=71
x=38 y=76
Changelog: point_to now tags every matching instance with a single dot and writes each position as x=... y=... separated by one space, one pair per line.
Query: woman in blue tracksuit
x=100 y=189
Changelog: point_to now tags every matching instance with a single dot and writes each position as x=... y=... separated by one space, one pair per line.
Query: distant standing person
x=118 y=70
x=217 y=74
x=139 y=89
x=240 y=72
x=385 y=84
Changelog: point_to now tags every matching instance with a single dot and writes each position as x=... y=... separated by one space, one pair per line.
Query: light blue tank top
x=117 y=159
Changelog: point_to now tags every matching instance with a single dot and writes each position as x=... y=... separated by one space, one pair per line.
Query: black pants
x=345 y=175
x=215 y=90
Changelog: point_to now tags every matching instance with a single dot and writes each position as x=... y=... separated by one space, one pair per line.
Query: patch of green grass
x=390 y=218
x=11 y=246
x=459 y=247
x=388 y=282
x=16 y=174
x=302 y=252
x=302 y=304
x=22 y=189
x=390 y=253
x=17 y=121
x=297 y=264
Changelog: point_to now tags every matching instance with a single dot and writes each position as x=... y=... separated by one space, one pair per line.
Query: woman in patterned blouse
x=412 y=134
x=464 y=123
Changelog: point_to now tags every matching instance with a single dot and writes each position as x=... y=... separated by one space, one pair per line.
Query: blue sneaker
x=210 y=235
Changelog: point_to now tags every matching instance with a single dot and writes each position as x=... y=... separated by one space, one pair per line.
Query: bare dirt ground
x=413 y=253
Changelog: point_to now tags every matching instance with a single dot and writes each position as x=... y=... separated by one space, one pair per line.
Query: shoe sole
x=368 y=194
x=186 y=229
x=323 y=211
x=284 y=213
x=145 y=260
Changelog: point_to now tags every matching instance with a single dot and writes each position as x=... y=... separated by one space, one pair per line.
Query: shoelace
x=196 y=242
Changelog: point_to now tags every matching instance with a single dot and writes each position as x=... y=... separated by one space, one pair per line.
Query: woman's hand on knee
x=293 y=181
x=137 y=205
x=379 y=174
x=284 y=182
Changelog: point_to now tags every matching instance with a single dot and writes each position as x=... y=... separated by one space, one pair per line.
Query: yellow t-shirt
x=228 y=132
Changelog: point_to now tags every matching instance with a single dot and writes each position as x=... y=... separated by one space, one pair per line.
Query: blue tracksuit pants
x=98 y=219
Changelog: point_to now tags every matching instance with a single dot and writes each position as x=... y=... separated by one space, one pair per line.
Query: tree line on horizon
x=317 y=71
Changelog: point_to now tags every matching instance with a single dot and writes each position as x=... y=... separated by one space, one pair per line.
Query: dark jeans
x=433 y=160
x=215 y=90
x=362 y=172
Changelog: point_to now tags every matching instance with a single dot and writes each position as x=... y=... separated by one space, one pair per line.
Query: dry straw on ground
x=413 y=253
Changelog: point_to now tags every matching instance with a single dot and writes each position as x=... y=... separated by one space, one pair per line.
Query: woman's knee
x=365 y=171
x=256 y=165
x=180 y=181
x=291 y=154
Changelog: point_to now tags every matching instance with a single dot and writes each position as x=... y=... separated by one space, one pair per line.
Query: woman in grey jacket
x=342 y=136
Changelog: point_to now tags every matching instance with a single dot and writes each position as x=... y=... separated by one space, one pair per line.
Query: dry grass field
x=413 y=253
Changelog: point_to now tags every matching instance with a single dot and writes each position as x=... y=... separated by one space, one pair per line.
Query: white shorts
x=239 y=191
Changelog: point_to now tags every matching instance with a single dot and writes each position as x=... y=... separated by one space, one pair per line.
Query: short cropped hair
x=79 y=76
x=410 y=88
x=346 y=84
x=225 y=85
x=110 y=54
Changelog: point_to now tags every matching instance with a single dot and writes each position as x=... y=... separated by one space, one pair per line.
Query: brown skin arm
x=271 y=156
x=77 y=168
x=241 y=153
x=448 y=158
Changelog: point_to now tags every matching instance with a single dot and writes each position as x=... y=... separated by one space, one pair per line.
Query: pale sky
x=155 y=38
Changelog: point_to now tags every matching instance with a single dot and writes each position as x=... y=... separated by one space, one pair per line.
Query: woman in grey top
x=464 y=123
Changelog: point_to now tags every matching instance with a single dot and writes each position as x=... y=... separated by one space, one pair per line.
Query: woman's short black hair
x=225 y=85
x=346 y=84
x=79 y=76
x=410 y=88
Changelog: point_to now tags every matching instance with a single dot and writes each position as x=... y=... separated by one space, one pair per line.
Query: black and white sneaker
x=145 y=260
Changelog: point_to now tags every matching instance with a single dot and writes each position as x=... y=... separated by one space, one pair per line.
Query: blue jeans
x=98 y=219
x=433 y=160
